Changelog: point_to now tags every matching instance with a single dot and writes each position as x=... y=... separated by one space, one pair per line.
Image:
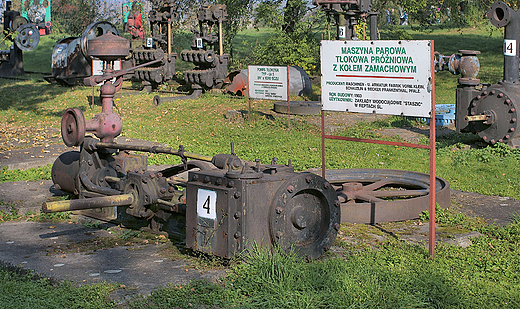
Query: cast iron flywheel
x=379 y=195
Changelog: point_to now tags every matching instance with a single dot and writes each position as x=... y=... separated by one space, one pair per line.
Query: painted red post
x=432 y=165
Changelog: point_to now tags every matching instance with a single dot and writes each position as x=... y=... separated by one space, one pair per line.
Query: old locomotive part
x=378 y=195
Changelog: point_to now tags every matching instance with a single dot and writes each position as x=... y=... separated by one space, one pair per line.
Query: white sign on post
x=268 y=82
x=384 y=77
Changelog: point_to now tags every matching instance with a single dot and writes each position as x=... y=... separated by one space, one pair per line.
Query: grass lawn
x=390 y=275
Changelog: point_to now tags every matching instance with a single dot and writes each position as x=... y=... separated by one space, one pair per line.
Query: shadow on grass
x=21 y=96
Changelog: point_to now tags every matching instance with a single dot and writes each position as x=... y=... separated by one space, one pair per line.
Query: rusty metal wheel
x=27 y=37
x=379 y=195
x=305 y=215
x=73 y=127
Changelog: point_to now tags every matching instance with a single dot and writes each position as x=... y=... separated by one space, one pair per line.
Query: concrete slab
x=140 y=268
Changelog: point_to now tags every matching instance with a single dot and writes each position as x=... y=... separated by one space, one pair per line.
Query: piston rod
x=155 y=149
x=95 y=202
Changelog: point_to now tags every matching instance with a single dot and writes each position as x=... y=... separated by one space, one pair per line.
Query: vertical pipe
x=373 y=26
x=220 y=38
x=169 y=37
x=288 y=100
x=248 y=96
x=322 y=144
x=512 y=32
x=431 y=246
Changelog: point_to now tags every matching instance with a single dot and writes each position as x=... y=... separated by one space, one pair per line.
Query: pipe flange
x=499 y=14
x=305 y=215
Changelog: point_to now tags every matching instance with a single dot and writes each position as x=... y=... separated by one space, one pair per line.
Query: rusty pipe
x=154 y=149
x=88 y=203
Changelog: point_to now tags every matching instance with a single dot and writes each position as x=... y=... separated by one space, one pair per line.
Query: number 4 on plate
x=207 y=204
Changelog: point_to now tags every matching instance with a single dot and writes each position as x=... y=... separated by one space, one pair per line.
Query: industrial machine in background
x=206 y=53
x=491 y=111
x=24 y=31
x=346 y=13
x=71 y=62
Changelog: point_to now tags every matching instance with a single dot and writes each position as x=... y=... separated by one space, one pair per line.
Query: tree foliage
x=73 y=16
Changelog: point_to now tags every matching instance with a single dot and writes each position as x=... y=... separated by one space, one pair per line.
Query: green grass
x=22 y=289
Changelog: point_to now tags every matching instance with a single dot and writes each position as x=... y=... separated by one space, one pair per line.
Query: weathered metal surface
x=489 y=110
x=73 y=127
x=95 y=202
x=70 y=60
x=378 y=195
x=65 y=170
x=95 y=30
x=267 y=204
x=27 y=37
x=466 y=64
x=108 y=47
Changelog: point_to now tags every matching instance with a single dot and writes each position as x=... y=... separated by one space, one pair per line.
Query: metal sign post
x=268 y=83
x=381 y=77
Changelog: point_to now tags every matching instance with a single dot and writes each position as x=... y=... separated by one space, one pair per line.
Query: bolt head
x=163 y=190
x=237 y=215
x=337 y=203
x=326 y=185
x=337 y=226
x=278 y=210
x=308 y=179
x=508 y=101
x=237 y=195
x=237 y=235
x=290 y=188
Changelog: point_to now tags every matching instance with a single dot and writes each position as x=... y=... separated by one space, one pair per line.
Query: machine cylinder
x=65 y=171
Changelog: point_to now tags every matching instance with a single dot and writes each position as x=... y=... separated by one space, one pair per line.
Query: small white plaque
x=207 y=204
